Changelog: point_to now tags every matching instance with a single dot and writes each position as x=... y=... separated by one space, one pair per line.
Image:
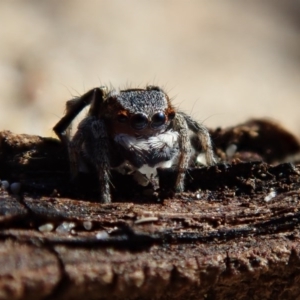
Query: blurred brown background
x=222 y=61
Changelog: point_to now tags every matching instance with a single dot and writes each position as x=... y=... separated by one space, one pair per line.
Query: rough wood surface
x=234 y=234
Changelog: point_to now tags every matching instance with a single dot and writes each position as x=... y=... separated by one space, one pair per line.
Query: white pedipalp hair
x=169 y=139
x=164 y=141
x=131 y=142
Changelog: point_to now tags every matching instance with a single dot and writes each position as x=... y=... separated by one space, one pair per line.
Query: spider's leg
x=73 y=108
x=203 y=136
x=74 y=150
x=180 y=125
x=97 y=149
x=91 y=142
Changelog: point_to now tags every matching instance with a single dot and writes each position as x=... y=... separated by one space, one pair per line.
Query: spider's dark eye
x=139 y=121
x=171 y=115
x=158 y=119
x=122 y=118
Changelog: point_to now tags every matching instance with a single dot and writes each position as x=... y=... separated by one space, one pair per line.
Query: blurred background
x=221 y=61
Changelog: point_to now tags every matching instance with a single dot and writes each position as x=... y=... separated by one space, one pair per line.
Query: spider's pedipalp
x=203 y=138
x=180 y=125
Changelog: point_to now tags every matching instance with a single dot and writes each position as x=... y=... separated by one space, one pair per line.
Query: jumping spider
x=133 y=131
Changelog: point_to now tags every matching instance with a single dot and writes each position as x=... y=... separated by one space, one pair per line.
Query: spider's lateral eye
x=139 y=121
x=158 y=119
x=122 y=118
x=171 y=115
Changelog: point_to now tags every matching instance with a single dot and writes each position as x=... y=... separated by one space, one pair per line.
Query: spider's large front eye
x=139 y=121
x=158 y=119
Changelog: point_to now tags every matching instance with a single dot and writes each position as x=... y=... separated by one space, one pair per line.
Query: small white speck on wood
x=230 y=150
x=88 y=225
x=5 y=185
x=146 y=220
x=46 y=227
x=65 y=227
x=270 y=196
x=102 y=235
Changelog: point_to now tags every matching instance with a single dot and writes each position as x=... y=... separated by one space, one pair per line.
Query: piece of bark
x=241 y=248
x=255 y=139
x=233 y=235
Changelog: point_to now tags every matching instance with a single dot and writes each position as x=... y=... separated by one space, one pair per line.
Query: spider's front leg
x=90 y=140
x=91 y=143
x=63 y=130
x=73 y=108
x=75 y=149
x=185 y=149
x=96 y=148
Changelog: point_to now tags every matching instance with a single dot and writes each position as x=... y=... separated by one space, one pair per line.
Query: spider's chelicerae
x=133 y=131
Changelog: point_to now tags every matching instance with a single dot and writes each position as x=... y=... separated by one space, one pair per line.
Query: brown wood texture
x=234 y=234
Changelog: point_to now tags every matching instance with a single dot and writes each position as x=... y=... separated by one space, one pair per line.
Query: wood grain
x=233 y=235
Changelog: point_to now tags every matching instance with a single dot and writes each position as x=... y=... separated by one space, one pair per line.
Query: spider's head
x=142 y=112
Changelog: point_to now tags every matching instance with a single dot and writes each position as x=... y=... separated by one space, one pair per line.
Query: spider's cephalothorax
x=134 y=131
